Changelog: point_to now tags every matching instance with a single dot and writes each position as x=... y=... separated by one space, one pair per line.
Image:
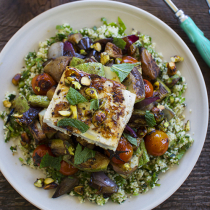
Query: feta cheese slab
x=116 y=102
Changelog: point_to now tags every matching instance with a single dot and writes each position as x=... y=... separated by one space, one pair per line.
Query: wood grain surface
x=195 y=192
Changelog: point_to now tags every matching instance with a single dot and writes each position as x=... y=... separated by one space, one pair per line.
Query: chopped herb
x=104 y=20
x=13 y=149
x=73 y=123
x=150 y=119
x=122 y=26
x=130 y=139
x=60 y=27
x=11 y=97
x=94 y=104
x=20 y=159
x=119 y=42
x=94 y=28
x=122 y=70
x=82 y=156
x=74 y=97
x=50 y=161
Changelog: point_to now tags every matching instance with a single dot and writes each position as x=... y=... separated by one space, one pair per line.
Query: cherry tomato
x=128 y=59
x=42 y=83
x=148 y=89
x=156 y=143
x=39 y=152
x=123 y=145
x=67 y=169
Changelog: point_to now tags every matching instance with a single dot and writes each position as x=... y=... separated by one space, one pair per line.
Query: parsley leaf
x=103 y=19
x=122 y=70
x=94 y=104
x=122 y=26
x=11 y=97
x=119 y=42
x=59 y=27
x=74 y=97
x=73 y=123
x=130 y=139
x=150 y=119
x=82 y=156
x=50 y=161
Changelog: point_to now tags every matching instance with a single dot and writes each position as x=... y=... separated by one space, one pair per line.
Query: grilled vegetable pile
x=73 y=163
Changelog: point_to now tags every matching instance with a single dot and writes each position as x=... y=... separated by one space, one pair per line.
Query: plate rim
x=51 y=10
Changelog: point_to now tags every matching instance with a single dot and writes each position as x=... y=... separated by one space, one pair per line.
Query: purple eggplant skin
x=103 y=183
x=150 y=69
x=85 y=43
x=146 y=102
x=130 y=131
x=66 y=186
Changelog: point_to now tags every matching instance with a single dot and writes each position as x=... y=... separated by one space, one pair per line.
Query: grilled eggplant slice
x=150 y=69
x=135 y=84
x=56 y=67
x=113 y=50
x=36 y=131
x=57 y=147
x=98 y=163
x=163 y=90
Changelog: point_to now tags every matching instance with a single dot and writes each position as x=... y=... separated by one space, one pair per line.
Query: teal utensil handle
x=197 y=37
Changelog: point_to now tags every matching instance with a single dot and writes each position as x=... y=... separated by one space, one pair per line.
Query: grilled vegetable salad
x=99 y=112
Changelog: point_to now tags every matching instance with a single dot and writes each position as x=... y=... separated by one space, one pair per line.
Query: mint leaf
x=94 y=104
x=59 y=27
x=144 y=157
x=122 y=70
x=50 y=161
x=122 y=26
x=150 y=119
x=130 y=139
x=103 y=19
x=82 y=156
x=74 y=97
x=73 y=123
x=119 y=42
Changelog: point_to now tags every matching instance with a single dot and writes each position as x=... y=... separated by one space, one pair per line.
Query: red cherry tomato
x=67 y=169
x=39 y=152
x=128 y=59
x=156 y=143
x=148 y=89
x=123 y=145
x=42 y=83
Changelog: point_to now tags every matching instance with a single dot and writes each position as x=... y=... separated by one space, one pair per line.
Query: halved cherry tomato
x=148 y=89
x=156 y=143
x=40 y=152
x=67 y=169
x=42 y=83
x=128 y=59
x=124 y=152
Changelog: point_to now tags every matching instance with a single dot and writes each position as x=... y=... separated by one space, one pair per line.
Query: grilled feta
x=106 y=125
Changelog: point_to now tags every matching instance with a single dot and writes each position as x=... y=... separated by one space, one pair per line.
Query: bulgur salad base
x=146 y=176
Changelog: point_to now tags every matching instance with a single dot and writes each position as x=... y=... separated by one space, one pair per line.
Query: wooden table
x=195 y=192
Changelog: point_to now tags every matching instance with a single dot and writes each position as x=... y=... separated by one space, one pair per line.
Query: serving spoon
x=195 y=35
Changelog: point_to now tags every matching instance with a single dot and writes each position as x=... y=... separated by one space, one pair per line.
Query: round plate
x=88 y=14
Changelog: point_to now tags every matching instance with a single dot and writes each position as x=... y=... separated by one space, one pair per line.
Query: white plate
x=88 y=13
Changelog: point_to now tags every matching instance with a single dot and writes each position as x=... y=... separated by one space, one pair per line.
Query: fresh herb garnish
x=73 y=123
x=11 y=97
x=83 y=155
x=13 y=149
x=130 y=139
x=74 y=97
x=119 y=42
x=150 y=119
x=94 y=104
x=59 y=27
x=103 y=19
x=122 y=70
x=122 y=26
x=50 y=161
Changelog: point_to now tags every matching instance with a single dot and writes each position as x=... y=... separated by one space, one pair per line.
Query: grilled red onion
x=130 y=131
x=103 y=183
x=69 y=49
x=146 y=102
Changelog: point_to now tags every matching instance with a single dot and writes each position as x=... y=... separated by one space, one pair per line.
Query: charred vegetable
x=98 y=163
x=135 y=84
x=57 y=147
x=39 y=101
x=74 y=38
x=66 y=186
x=113 y=50
x=150 y=69
x=85 y=43
x=163 y=90
x=56 y=67
x=103 y=183
x=172 y=80
x=55 y=50
x=137 y=119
